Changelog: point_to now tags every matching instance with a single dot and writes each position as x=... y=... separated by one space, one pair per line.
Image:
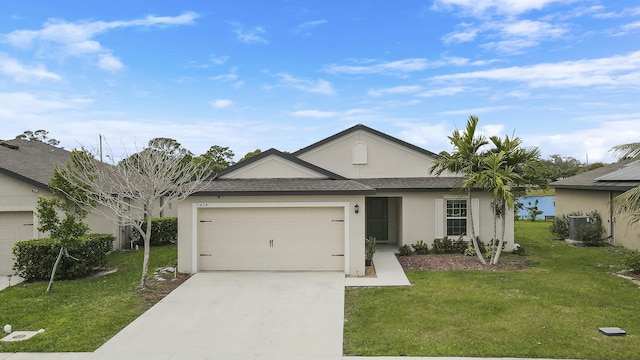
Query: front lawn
x=80 y=315
x=553 y=309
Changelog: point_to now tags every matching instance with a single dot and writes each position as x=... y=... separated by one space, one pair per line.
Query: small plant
x=485 y=250
x=633 y=262
x=420 y=247
x=532 y=211
x=405 y=250
x=369 y=249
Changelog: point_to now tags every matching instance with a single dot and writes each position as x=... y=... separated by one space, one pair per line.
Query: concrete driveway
x=239 y=315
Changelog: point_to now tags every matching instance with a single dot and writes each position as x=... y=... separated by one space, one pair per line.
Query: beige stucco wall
x=418 y=218
x=356 y=224
x=272 y=166
x=616 y=225
x=16 y=195
x=385 y=159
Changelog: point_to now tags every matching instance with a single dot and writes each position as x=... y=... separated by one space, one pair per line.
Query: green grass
x=79 y=315
x=551 y=310
x=541 y=192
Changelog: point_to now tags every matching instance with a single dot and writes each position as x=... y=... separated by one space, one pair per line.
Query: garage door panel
x=271 y=238
x=14 y=227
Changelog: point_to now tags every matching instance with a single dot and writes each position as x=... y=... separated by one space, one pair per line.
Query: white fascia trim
x=194 y=222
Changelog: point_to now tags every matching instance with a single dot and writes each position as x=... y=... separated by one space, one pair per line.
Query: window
x=456 y=217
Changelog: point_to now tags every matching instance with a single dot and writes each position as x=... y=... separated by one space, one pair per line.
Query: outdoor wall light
x=357 y=208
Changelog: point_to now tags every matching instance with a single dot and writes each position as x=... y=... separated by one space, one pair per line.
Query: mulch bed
x=160 y=286
x=460 y=262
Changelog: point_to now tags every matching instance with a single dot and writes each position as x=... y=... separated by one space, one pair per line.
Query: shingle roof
x=367 y=129
x=413 y=184
x=33 y=162
x=617 y=177
x=285 y=187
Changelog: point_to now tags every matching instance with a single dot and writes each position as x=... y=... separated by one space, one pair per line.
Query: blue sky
x=563 y=75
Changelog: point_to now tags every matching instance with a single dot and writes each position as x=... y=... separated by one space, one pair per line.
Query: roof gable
x=273 y=164
x=361 y=152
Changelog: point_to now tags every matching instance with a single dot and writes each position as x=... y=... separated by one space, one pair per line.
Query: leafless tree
x=137 y=189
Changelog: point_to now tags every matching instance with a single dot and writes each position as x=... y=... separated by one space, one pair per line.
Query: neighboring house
x=25 y=170
x=313 y=209
x=596 y=190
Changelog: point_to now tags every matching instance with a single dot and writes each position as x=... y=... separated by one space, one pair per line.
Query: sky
x=563 y=75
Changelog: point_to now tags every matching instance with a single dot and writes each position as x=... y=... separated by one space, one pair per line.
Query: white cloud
x=406 y=89
x=109 y=62
x=463 y=36
x=476 y=111
x=617 y=71
x=61 y=38
x=249 y=36
x=307 y=26
x=221 y=103
x=481 y=7
x=391 y=67
x=27 y=106
x=21 y=73
x=432 y=137
x=319 y=86
x=595 y=140
x=316 y=114
x=443 y=91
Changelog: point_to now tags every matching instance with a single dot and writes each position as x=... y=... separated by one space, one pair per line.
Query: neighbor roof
x=33 y=162
x=620 y=176
x=369 y=130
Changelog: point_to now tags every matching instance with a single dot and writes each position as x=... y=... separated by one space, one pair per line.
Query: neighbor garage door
x=286 y=238
x=14 y=227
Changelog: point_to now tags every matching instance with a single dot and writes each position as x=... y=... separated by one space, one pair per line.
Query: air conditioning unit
x=575 y=222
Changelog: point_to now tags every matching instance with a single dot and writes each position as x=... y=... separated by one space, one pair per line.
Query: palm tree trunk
x=501 y=243
x=473 y=231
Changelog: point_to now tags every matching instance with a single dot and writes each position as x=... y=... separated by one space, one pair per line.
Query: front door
x=378 y=218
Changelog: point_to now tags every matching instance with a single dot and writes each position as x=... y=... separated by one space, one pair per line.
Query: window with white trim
x=456 y=217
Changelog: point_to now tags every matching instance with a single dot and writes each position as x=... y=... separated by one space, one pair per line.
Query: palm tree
x=466 y=159
x=497 y=177
x=629 y=201
x=516 y=167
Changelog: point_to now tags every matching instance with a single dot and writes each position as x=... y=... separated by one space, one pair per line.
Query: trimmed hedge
x=34 y=259
x=164 y=231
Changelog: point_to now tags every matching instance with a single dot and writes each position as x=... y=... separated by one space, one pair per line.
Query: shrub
x=633 y=262
x=405 y=250
x=591 y=233
x=164 y=231
x=560 y=226
x=34 y=259
x=420 y=247
x=448 y=246
x=440 y=246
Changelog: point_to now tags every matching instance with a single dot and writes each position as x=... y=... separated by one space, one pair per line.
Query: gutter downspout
x=612 y=219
